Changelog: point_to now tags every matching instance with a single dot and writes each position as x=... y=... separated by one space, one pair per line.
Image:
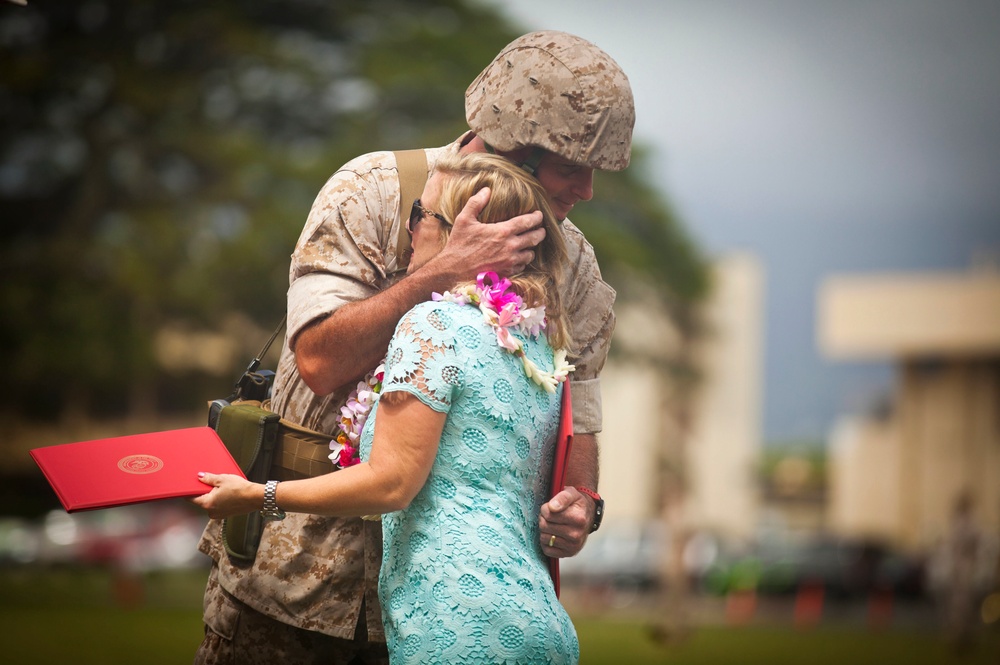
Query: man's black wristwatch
x=270 y=511
x=598 y=507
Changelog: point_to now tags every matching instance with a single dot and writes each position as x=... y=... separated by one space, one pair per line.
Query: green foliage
x=158 y=159
x=794 y=467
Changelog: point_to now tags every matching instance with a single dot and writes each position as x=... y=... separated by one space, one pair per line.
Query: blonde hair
x=513 y=192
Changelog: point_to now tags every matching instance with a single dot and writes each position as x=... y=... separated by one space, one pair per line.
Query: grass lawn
x=92 y=617
x=612 y=642
x=95 y=636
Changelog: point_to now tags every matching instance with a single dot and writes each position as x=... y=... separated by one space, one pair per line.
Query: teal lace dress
x=463 y=577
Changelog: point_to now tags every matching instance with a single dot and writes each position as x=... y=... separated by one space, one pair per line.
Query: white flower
x=448 y=296
x=532 y=320
x=335 y=448
x=561 y=368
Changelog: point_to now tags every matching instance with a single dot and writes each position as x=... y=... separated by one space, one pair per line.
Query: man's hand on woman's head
x=504 y=247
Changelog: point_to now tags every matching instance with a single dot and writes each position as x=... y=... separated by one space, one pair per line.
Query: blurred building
x=724 y=448
x=720 y=448
x=896 y=472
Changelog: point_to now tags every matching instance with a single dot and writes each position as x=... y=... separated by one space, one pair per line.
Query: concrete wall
x=905 y=315
x=721 y=452
x=898 y=476
x=725 y=444
x=864 y=467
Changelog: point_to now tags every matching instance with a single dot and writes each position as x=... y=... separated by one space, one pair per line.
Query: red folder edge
x=564 y=443
x=193 y=449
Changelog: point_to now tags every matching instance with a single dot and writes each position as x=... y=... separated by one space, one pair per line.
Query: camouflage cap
x=559 y=92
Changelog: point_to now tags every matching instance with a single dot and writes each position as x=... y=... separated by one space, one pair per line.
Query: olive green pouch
x=251 y=435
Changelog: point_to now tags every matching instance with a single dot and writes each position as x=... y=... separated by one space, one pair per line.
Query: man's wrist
x=441 y=273
x=598 y=507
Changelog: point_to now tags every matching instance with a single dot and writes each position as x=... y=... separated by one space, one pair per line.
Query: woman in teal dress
x=458 y=446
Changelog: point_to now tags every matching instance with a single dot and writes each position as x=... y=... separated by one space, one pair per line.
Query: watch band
x=271 y=511
x=598 y=507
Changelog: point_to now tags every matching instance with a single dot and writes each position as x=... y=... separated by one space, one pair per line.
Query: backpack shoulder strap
x=412 y=168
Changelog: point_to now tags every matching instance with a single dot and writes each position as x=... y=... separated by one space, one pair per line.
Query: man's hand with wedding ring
x=565 y=522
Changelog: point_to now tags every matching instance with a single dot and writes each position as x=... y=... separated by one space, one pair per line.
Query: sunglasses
x=418 y=212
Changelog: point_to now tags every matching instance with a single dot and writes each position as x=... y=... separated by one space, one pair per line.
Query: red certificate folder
x=132 y=469
x=564 y=442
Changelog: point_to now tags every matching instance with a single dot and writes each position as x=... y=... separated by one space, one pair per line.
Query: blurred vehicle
x=631 y=557
x=844 y=568
x=624 y=555
x=141 y=537
x=20 y=541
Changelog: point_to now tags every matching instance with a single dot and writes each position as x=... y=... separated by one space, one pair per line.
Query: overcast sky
x=826 y=137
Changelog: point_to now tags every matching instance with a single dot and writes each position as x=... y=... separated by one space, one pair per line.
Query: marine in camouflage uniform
x=311 y=593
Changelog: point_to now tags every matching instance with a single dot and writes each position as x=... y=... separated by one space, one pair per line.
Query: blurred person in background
x=557 y=106
x=961 y=570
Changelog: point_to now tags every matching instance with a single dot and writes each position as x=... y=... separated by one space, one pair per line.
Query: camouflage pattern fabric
x=313 y=572
x=237 y=635
x=558 y=92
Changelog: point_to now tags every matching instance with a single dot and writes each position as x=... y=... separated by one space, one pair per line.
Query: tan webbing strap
x=302 y=453
x=412 y=168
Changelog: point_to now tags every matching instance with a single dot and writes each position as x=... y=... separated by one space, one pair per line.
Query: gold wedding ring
x=552 y=540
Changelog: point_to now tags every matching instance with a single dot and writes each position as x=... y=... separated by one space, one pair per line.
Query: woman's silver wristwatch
x=270 y=511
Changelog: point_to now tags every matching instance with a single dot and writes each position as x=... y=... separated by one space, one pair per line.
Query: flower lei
x=504 y=310
x=353 y=416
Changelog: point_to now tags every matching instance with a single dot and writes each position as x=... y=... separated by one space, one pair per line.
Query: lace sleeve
x=423 y=357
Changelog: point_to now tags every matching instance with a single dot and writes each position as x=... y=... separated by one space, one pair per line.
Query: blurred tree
x=157 y=160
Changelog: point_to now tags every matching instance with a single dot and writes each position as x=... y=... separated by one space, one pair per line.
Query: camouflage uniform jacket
x=313 y=572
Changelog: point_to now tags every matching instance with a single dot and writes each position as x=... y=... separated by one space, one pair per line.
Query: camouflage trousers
x=239 y=635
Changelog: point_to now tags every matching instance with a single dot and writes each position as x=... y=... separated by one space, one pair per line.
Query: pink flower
x=502 y=300
x=343 y=454
x=495 y=291
x=508 y=315
x=348 y=457
x=506 y=340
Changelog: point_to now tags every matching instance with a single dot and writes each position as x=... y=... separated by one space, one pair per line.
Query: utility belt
x=266 y=447
x=290 y=451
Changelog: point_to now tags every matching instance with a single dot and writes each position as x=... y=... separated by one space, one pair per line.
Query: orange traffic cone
x=808 y=605
x=880 y=608
x=741 y=604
